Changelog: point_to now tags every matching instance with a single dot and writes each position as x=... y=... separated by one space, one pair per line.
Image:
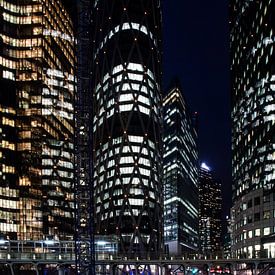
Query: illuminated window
x=257 y=232
x=266 y=231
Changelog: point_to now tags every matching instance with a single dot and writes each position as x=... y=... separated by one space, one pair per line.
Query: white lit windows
x=136 y=202
x=266 y=231
x=125 y=26
x=126 y=97
x=257 y=232
x=125 y=107
x=136 y=139
x=8 y=75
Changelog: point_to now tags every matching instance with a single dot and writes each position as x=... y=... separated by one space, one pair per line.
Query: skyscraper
x=127 y=120
x=210 y=214
x=180 y=165
x=36 y=106
x=253 y=120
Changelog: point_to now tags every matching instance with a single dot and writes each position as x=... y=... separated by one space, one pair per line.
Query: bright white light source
x=49 y=242
x=101 y=243
x=204 y=166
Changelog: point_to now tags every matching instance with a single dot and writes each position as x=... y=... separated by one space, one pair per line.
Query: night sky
x=196 y=49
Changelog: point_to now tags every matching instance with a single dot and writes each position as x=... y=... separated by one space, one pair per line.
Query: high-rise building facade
x=210 y=213
x=253 y=120
x=180 y=176
x=127 y=121
x=37 y=63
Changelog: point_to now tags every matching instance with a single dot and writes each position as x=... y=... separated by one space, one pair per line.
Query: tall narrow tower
x=180 y=175
x=210 y=212
x=127 y=119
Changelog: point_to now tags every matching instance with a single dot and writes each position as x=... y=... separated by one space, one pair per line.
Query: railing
x=51 y=251
x=48 y=250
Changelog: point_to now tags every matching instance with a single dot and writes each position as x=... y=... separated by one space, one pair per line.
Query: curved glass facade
x=126 y=126
x=253 y=117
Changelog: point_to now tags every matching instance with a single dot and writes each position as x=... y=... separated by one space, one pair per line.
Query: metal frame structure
x=121 y=266
x=59 y=256
x=84 y=234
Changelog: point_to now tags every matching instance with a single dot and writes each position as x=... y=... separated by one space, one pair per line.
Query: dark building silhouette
x=210 y=212
x=180 y=167
x=227 y=239
x=36 y=120
x=253 y=127
x=127 y=120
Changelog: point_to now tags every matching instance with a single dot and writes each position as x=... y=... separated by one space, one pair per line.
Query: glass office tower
x=37 y=71
x=127 y=120
x=210 y=213
x=180 y=165
x=253 y=120
x=9 y=202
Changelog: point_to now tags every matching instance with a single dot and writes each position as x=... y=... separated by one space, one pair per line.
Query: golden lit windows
x=8 y=145
x=6 y=227
x=8 y=169
x=22 y=39
x=22 y=20
x=24 y=181
x=8 y=121
x=21 y=9
x=28 y=42
x=24 y=146
x=27 y=76
x=37 y=30
x=25 y=134
x=8 y=75
x=8 y=63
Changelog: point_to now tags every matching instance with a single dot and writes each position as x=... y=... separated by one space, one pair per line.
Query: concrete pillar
x=113 y=269
x=209 y=267
x=232 y=267
x=36 y=269
x=163 y=270
x=255 y=268
x=11 y=269
x=60 y=271
x=183 y=269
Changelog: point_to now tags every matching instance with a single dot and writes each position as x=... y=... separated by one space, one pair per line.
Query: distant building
x=180 y=167
x=37 y=83
x=253 y=116
x=210 y=212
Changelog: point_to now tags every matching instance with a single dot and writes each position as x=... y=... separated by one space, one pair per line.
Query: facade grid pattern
x=180 y=166
x=37 y=72
x=253 y=119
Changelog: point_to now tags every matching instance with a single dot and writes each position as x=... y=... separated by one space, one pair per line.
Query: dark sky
x=196 y=49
